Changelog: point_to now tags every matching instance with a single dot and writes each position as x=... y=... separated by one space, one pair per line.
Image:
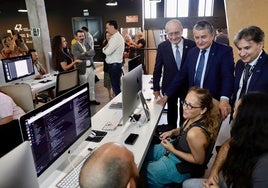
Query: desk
x=119 y=135
x=37 y=85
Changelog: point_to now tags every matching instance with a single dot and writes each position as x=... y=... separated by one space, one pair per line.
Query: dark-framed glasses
x=188 y=105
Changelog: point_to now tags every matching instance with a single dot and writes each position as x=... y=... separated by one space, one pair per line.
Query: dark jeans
x=115 y=72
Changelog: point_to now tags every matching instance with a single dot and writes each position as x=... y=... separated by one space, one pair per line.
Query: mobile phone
x=131 y=139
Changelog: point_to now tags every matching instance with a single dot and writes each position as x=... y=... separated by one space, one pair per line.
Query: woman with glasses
x=183 y=147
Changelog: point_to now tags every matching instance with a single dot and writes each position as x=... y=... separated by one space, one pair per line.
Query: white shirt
x=9 y=108
x=114 y=49
x=253 y=63
x=180 y=45
x=205 y=65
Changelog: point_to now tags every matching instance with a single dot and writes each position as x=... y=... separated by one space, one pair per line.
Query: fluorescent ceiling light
x=111 y=3
x=155 y=1
x=22 y=10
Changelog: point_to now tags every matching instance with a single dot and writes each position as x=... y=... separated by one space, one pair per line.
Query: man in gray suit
x=82 y=50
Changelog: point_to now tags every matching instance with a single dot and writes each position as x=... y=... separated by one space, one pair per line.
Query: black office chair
x=66 y=81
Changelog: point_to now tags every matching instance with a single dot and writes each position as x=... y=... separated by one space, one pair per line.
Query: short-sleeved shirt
x=63 y=58
x=9 y=108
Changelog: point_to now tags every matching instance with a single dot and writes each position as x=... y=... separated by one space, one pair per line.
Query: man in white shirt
x=88 y=37
x=114 y=54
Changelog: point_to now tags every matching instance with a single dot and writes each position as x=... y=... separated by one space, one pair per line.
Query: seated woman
x=243 y=159
x=190 y=144
x=9 y=110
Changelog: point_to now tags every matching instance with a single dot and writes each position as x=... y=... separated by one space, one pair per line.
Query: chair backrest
x=66 y=81
x=21 y=94
x=10 y=136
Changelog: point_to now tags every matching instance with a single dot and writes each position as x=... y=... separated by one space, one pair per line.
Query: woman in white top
x=9 y=110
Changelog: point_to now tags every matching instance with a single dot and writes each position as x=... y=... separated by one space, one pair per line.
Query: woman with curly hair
x=163 y=163
x=62 y=60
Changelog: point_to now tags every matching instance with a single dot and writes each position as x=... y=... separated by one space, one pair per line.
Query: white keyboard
x=71 y=179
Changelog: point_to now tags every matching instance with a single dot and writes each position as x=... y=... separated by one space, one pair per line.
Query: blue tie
x=199 y=70
x=178 y=57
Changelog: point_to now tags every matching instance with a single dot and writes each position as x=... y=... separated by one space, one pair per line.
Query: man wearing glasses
x=209 y=65
x=171 y=55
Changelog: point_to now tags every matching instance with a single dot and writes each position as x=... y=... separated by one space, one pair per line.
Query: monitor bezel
x=17 y=168
x=131 y=85
x=7 y=60
x=65 y=154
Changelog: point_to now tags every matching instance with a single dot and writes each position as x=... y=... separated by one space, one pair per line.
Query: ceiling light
x=22 y=10
x=111 y=3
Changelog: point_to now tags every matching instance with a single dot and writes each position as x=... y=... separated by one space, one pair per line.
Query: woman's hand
x=167 y=145
x=166 y=135
x=78 y=61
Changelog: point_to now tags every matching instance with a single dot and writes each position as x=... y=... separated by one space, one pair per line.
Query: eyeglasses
x=189 y=106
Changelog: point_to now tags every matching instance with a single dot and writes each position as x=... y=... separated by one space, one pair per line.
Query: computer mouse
x=92 y=135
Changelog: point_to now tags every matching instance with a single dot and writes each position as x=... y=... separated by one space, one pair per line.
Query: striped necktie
x=199 y=70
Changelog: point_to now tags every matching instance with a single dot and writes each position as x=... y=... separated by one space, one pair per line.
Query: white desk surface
x=37 y=86
x=119 y=135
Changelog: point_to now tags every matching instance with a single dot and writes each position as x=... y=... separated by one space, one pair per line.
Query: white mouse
x=92 y=135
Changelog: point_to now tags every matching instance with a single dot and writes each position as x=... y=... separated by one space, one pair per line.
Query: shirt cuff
x=224 y=98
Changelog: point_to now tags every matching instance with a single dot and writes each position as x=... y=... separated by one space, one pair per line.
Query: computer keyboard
x=71 y=179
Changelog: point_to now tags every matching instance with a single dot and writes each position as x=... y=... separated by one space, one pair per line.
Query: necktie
x=245 y=80
x=178 y=57
x=199 y=70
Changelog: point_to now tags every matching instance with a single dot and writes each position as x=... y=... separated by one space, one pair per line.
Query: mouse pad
x=99 y=136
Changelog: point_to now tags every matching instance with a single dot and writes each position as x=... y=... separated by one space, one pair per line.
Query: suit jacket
x=77 y=51
x=165 y=61
x=259 y=79
x=218 y=77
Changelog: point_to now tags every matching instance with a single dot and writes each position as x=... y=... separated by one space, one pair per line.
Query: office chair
x=21 y=94
x=66 y=81
x=10 y=136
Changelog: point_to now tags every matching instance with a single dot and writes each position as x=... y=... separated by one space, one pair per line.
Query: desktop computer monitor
x=17 y=67
x=131 y=85
x=17 y=168
x=57 y=128
x=134 y=62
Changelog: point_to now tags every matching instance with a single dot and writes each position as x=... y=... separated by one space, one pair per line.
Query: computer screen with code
x=57 y=127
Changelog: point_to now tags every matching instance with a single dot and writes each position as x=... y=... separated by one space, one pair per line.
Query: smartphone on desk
x=131 y=139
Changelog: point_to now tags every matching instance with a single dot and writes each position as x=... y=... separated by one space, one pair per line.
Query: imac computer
x=131 y=85
x=17 y=168
x=20 y=67
x=56 y=129
x=134 y=62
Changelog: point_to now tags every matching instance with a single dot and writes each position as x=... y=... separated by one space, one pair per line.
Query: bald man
x=111 y=165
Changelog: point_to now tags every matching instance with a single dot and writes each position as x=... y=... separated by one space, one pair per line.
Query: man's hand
x=162 y=100
x=225 y=108
x=156 y=94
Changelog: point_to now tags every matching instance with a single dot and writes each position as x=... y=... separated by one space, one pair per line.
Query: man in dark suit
x=166 y=62
x=250 y=42
x=209 y=65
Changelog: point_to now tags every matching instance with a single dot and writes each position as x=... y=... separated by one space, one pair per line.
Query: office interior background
x=47 y=18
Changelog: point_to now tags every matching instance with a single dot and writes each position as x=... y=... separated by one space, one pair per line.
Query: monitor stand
x=96 y=136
